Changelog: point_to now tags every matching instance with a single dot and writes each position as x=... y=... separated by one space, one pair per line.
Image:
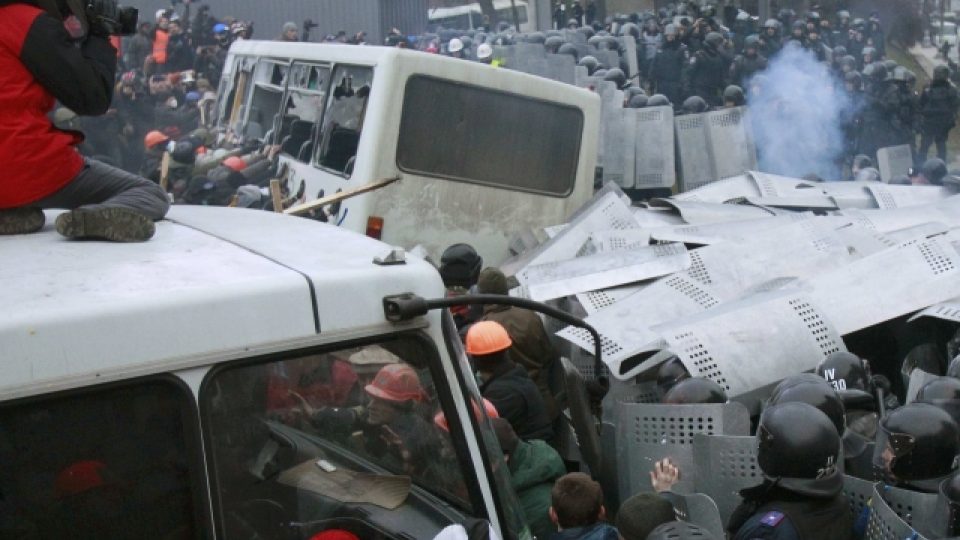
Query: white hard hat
x=484 y=51
x=455 y=45
x=160 y=14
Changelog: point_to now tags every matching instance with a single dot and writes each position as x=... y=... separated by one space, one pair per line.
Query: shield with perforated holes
x=894 y=161
x=654 y=148
x=717 y=274
x=733 y=149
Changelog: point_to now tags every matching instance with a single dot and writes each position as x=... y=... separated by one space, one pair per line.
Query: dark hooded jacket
x=534 y=467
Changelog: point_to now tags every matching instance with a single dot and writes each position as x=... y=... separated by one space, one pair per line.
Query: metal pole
x=516 y=14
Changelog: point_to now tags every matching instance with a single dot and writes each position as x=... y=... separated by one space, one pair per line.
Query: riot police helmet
x=570 y=50
x=696 y=390
x=869 y=51
x=934 y=170
x=946 y=515
x=597 y=41
x=671 y=371
x=941 y=73
x=751 y=42
x=616 y=76
x=891 y=65
x=670 y=30
x=694 y=105
x=536 y=37
x=772 y=23
x=630 y=29
x=601 y=73
x=586 y=31
x=638 y=101
x=813 y=390
x=916 y=442
x=953 y=369
x=714 y=40
x=796 y=440
x=839 y=51
x=634 y=91
x=553 y=43
x=658 y=100
x=733 y=94
x=943 y=393
x=590 y=63
x=854 y=79
x=867 y=174
x=460 y=266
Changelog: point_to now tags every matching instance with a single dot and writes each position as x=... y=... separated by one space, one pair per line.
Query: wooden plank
x=276 y=195
x=165 y=171
x=337 y=197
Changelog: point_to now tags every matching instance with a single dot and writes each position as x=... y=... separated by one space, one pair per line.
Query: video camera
x=108 y=18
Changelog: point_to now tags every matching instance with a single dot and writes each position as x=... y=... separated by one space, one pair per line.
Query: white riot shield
x=731 y=141
x=613 y=129
x=698 y=213
x=738 y=187
x=891 y=283
x=563 y=278
x=720 y=273
x=595 y=301
x=607 y=241
x=655 y=217
x=629 y=47
x=654 y=148
x=561 y=67
x=608 y=210
x=947 y=311
x=946 y=211
x=889 y=197
x=713 y=233
x=696 y=160
x=751 y=344
x=894 y=161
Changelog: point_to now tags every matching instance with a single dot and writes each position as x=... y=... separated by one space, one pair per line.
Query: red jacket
x=39 y=65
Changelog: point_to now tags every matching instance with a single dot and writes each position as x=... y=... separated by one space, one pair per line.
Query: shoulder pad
x=772 y=518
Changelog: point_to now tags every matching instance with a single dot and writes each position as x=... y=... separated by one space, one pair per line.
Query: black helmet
x=573 y=23
x=868 y=174
x=601 y=73
x=553 y=43
x=772 y=23
x=839 y=51
x=630 y=29
x=850 y=62
x=795 y=440
x=917 y=442
x=891 y=65
x=634 y=91
x=946 y=517
x=714 y=40
x=694 y=105
x=849 y=376
x=616 y=76
x=934 y=170
x=876 y=71
x=680 y=530
x=943 y=393
x=941 y=73
x=871 y=51
x=536 y=37
x=854 y=78
x=637 y=101
x=590 y=63
x=596 y=41
x=587 y=31
x=953 y=369
x=570 y=50
x=696 y=390
x=658 y=100
x=811 y=389
x=751 y=42
x=671 y=371
x=734 y=94
x=460 y=266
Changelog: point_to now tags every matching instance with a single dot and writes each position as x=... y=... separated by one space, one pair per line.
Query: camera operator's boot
x=21 y=220
x=114 y=224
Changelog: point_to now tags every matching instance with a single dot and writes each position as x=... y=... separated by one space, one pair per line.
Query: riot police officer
x=916 y=446
x=938 y=109
x=745 y=65
x=666 y=69
x=708 y=70
x=801 y=496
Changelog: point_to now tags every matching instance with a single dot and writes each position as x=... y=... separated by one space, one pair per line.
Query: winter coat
x=534 y=467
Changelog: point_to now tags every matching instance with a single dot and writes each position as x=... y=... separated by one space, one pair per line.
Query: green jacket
x=534 y=467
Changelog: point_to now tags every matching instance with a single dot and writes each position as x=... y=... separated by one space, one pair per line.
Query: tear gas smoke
x=797 y=114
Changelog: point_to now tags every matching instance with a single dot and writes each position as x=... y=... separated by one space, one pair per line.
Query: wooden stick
x=165 y=171
x=337 y=197
x=275 y=195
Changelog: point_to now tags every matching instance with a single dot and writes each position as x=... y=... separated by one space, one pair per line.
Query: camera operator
x=40 y=63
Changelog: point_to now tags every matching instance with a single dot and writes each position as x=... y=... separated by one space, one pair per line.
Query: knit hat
x=492 y=281
x=641 y=514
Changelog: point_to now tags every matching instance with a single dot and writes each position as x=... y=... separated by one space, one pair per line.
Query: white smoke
x=797 y=115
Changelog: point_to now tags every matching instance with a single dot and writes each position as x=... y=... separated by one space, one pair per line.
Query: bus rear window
x=483 y=136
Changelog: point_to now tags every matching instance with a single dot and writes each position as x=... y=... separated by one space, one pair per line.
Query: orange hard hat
x=487 y=337
x=154 y=138
x=77 y=478
x=440 y=419
x=396 y=382
x=235 y=163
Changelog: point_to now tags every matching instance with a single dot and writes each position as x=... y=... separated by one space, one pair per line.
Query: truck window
x=300 y=121
x=352 y=438
x=119 y=462
x=483 y=136
x=343 y=118
x=269 y=79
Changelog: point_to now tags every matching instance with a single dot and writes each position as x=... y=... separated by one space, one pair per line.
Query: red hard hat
x=487 y=337
x=235 y=163
x=77 y=478
x=335 y=534
x=396 y=382
x=154 y=138
x=440 y=419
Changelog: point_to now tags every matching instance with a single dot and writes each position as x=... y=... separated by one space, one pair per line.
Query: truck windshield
x=353 y=438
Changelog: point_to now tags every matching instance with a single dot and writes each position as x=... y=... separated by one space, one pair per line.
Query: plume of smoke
x=796 y=117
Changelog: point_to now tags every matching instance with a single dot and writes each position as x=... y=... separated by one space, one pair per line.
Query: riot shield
x=946 y=211
x=696 y=161
x=738 y=187
x=858 y=492
x=948 y=311
x=647 y=433
x=629 y=48
x=607 y=241
x=595 y=301
x=583 y=422
x=884 y=523
x=733 y=149
x=725 y=465
x=560 y=67
x=894 y=161
x=697 y=213
x=714 y=233
x=654 y=165
x=896 y=281
x=602 y=270
x=617 y=147
x=655 y=217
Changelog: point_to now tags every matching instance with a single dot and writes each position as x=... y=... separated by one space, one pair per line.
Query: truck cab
x=235 y=377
